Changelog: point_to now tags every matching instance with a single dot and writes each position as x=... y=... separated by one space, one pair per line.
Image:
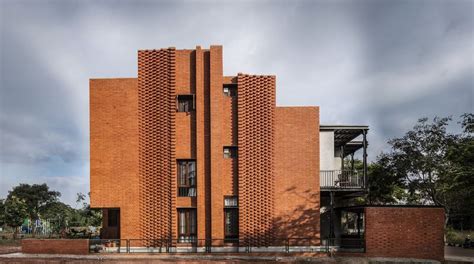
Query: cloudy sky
x=381 y=63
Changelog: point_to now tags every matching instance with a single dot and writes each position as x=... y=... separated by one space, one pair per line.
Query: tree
x=36 y=196
x=15 y=213
x=2 y=212
x=383 y=182
x=461 y=158
x=428 y=165
x=59 y=214
x=86 y=216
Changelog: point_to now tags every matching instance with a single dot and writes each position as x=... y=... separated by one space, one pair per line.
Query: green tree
x=86 y=216
x=15 y=213
x=460 y=186
x=59 y=214
x=428 y=165
x=36 y=196
x=2 y=212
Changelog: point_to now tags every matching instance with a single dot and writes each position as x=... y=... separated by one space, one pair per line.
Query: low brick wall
x=55 y=246
x=408 y=232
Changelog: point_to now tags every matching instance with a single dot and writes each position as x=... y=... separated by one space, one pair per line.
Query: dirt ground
x=12 y=254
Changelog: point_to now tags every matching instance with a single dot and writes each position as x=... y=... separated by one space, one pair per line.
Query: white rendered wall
x=326 y=150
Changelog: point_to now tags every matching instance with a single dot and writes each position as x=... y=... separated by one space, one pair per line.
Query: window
x=231 y=217
x=231 y=228
x=230 y=90
x=230 y=201
x=186 y=225
x=113 y=217
x=186 y=178
x=230 y=152
x=185 y=103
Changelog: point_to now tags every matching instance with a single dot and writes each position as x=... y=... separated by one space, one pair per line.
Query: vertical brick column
x=256 y=119
x=201 y=145
x=156 y=114
x=216 y=154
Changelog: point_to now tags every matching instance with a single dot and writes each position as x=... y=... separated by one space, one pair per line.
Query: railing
x=277 y=245
x=341 y=179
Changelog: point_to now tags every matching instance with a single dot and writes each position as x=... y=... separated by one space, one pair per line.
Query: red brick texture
x=156 y=125
x=297 y=196
x=55 y=246
x=256 y=154
x=405 y=232
x=114 y=150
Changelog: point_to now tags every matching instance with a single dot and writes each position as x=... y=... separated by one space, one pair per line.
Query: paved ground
x=459 y=254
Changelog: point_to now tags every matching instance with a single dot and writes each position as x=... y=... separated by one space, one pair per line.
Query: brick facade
x=137 y=138
x=156 y=137
x=55 y=246
x=405 y=232
x=296 y=174
x=114 y=150
x=256 y=134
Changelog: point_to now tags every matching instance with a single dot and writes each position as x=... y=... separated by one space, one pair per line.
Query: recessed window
x=231 y=223
x=230 y=201
x=186 y=178
x=186 y=225
x=185 y=103
x=230 y=152
x=113 y=217
x=230 y=90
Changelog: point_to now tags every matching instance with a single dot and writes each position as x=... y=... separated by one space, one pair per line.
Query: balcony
x=342 y=179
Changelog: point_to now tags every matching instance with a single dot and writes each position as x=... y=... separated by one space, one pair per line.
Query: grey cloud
x=381 y=63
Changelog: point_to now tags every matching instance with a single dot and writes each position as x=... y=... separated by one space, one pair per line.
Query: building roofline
x=345 y=127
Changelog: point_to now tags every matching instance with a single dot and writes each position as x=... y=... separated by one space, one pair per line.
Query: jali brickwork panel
x=156 y=125
x=256 y=121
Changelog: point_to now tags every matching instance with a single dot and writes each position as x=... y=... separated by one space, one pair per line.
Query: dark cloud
x=381 y=63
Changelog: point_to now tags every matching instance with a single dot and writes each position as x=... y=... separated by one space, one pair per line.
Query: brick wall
x=256 y=135
x=156 y=126
x=297 y=172
x=55 y=246
x=114 y=149
x=405 y=232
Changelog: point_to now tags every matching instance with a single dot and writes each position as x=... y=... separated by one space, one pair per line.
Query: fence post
x=287 y=245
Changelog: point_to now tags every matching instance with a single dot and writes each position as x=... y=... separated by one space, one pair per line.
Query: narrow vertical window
x=187 y=225
x=186 y=178
x=231 y=218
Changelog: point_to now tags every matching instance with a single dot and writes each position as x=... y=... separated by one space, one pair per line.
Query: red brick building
x=186 y=154
x=183 y=152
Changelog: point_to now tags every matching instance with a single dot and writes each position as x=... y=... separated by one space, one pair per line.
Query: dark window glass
x=230 y=152
x=186 y=178
x=230 y=90
x=231 y=223
x=112 y=217
x=187 y=225
x=185 y=103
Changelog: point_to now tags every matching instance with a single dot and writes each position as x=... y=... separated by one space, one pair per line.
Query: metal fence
x=279 y=245
x=340 y=179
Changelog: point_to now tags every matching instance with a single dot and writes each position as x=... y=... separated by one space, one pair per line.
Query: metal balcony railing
x=342 y=179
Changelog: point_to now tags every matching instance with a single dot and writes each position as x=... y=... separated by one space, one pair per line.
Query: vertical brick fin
x=156 y=113
x=256 y=130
